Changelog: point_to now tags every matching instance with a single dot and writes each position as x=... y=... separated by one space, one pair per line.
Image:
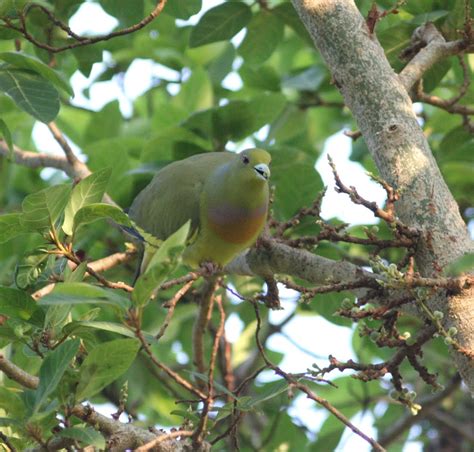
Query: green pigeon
x=224 y=194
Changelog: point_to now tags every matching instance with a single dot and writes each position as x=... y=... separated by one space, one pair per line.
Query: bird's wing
x=173 y=196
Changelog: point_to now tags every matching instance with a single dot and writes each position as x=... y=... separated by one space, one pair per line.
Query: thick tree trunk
x=384 y=113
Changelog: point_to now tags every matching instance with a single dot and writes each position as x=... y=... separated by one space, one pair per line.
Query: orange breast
x=235 y=225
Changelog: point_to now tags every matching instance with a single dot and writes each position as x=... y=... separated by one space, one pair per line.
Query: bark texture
x=383 y=110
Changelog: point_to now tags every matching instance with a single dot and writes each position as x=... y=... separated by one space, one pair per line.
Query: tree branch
x=79 y=40
x=293 y=382
x=17 y=374
x=100 y=265
x=428 y=404
x=119 y=436
x=383 y=110
x=42 y=160
x=434 y=48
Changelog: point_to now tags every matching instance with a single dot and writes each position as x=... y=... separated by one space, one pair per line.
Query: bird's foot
x=209 y=268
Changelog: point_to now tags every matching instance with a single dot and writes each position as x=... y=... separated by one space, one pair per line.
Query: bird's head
x=253 y=165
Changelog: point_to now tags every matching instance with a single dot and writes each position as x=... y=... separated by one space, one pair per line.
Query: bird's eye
x=245 y=160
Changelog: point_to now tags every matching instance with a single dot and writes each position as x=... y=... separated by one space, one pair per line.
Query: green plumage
x=225 y=195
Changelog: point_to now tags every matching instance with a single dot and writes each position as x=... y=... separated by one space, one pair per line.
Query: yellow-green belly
x=220 y=243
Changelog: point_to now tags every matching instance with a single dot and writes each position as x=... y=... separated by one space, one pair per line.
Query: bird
x=225 y=196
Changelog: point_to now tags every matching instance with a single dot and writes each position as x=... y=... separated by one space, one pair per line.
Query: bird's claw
x=209 y=268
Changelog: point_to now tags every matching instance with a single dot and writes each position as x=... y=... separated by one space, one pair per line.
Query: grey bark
x=383 y=110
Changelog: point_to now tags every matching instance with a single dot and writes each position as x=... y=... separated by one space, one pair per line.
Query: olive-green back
x=173 y=196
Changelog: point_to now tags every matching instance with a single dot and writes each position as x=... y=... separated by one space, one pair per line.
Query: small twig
x=428 y=404
x=448 y=420
x=375 y=15
x=171 y=304
x=314 y=211
x=353 y=134
x=4 y=438
x=200 y=326
x=161 y=439
x=445 y=104
x=225 y=363
x=200 y=432
x=79 y=41
x=100 y=265
x=61 y=140
x=176 y=377
x=387 y=215
x=294 y=383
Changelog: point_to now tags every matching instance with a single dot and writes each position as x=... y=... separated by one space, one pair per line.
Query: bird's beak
x=262 y=170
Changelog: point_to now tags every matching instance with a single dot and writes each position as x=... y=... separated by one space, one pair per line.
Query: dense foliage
x=86 y=339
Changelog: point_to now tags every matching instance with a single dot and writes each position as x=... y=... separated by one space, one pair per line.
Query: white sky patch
x=46 y=143
x=193 y=20
x=91 y=20
x=351 y=441
x=142 y=74
x=232 y=81
x=233 y=328
x=351 y=173
x=316 y=335
x=308 y=413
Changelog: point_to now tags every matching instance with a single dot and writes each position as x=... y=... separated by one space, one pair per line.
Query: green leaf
x=394 y=40
x=99 y=211
x=307 y=80
x=56 y=317
x=266 y=108
x=290 y=165
x=85 y=435
x=23 y=61
x=217 y=385
x=269 y=391
x=222 y=65
x=11 y=227
x=464 y=264
x=16 y=303
x=77 y=275
x=127 y=12
x=11 y=402
x=7 y=33
x=238 y=119
x=42 y=209
x=30 y=268
x=79 y=293
x=52 y=370
x=262 y=78
x=7 y=136
x=111 y=327
x=31 y=92
x=431 y=16
x=329 y=434
x=435 y=74
x=87 y=191
x=234 y=121
x=286 y=12
x=183 y=10
x=86 y=56
x=264 y=33
x=244 y=345
x=164 y=262
x=220 y=23
x=458 y=176
x=196 y=93
x=188 y=415
x=105 y=364
x=162 y=144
